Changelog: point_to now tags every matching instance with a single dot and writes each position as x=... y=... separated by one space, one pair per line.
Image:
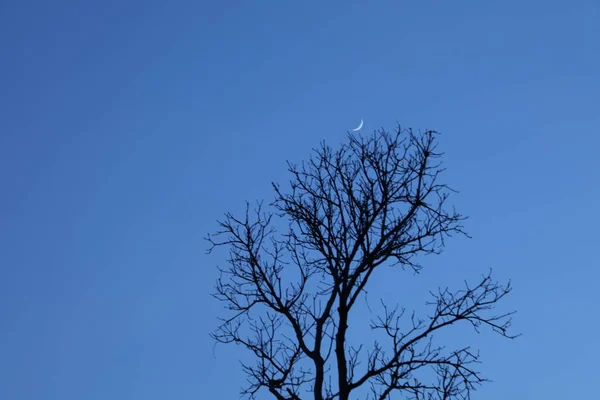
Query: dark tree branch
x=376 y=200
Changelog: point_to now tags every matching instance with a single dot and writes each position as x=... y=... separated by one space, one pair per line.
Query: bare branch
x=376 y=200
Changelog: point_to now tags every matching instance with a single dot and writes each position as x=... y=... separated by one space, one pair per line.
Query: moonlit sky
x=128 y=127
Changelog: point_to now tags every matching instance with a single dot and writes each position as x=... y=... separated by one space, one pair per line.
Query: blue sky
x=128 y=127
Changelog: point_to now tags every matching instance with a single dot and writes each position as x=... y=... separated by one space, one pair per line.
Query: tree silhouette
x=374 y=201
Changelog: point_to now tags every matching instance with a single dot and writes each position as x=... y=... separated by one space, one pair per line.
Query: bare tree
x=374 y=201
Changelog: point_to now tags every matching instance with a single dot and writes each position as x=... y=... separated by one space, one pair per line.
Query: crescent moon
x=359 y=126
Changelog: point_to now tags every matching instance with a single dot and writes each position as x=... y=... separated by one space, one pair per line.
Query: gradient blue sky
x=128 y=127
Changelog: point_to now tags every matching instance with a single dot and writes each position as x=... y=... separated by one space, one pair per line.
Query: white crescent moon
x=359 y=126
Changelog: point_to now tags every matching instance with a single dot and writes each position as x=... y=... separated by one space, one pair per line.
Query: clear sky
x=128 y=127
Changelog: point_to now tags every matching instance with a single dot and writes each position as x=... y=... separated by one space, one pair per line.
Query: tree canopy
x=297 y=268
